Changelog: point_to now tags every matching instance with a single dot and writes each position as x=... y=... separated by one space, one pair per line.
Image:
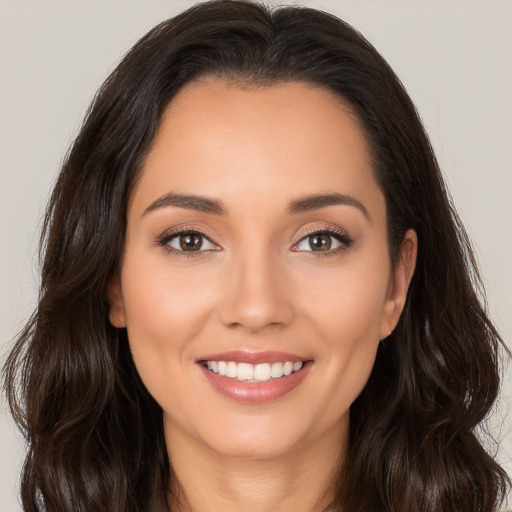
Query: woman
x=243 y=305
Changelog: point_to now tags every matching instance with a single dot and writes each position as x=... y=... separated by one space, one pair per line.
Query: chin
x=255 y=448
x=268 y=440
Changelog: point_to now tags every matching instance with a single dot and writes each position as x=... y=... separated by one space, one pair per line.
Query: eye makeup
x=186 y=235
x=193 y=242
x=340 y=236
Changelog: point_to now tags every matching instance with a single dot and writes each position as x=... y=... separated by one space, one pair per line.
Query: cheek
x=347 y=304
x=346 y=313
x=165 y=303
x=164 y=313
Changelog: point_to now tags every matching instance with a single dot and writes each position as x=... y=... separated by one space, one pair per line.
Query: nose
x=257 y=295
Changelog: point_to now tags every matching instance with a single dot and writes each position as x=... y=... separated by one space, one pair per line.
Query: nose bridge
x=255 y=295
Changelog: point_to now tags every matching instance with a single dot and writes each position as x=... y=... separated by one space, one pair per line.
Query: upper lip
x=245 y=356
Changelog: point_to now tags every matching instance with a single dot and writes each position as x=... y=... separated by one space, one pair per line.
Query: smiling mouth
x=246 y=372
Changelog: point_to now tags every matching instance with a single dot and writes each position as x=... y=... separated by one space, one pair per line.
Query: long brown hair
x=95 y=435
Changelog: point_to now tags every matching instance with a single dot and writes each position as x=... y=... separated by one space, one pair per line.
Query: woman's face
x=257 y=237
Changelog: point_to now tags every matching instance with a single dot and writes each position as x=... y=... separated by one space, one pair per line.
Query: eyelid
x=164 y=239
x=345 y=240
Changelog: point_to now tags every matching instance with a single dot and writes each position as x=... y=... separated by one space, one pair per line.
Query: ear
x=399 y=284
x=117 y=314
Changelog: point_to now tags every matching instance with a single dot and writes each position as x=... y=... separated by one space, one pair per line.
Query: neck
x=302 y=480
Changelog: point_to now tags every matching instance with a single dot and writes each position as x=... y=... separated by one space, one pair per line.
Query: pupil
x=320 y=242
x=190 y=242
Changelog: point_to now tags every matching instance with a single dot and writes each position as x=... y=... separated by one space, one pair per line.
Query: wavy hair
x=95 y=435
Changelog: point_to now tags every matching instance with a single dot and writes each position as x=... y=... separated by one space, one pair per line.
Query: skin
x=258 y=286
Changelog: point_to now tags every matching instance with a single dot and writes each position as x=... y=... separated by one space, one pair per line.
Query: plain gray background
x=453 y=56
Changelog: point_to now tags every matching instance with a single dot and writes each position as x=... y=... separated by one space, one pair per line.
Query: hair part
x=94 y=433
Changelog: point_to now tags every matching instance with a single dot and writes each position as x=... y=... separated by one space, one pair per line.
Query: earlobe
x=116 y=315
x=402 y=275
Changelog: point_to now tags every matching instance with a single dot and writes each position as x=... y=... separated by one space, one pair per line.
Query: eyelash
x=164 y=240
x=341 y=236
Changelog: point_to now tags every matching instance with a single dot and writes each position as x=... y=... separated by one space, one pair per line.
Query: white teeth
x=253 y=372
x=288 y=368
x=245 y=371
x=262 y=372
x=277 y=370
x=231 y=370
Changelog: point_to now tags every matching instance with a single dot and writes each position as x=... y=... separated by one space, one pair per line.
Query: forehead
x=272 y=143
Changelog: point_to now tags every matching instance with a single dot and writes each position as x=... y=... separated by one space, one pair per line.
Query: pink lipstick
x=254 y=377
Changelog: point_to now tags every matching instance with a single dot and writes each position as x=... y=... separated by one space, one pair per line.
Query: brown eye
x=188 y=241
x=320 y=242
x=324 y=241
x=191 y=242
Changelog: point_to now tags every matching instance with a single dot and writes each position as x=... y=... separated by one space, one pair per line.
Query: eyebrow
x=216 y=207
x=188 y=202
x=315 y=202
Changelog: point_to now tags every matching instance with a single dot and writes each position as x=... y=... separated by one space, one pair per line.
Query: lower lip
x=256 y=392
